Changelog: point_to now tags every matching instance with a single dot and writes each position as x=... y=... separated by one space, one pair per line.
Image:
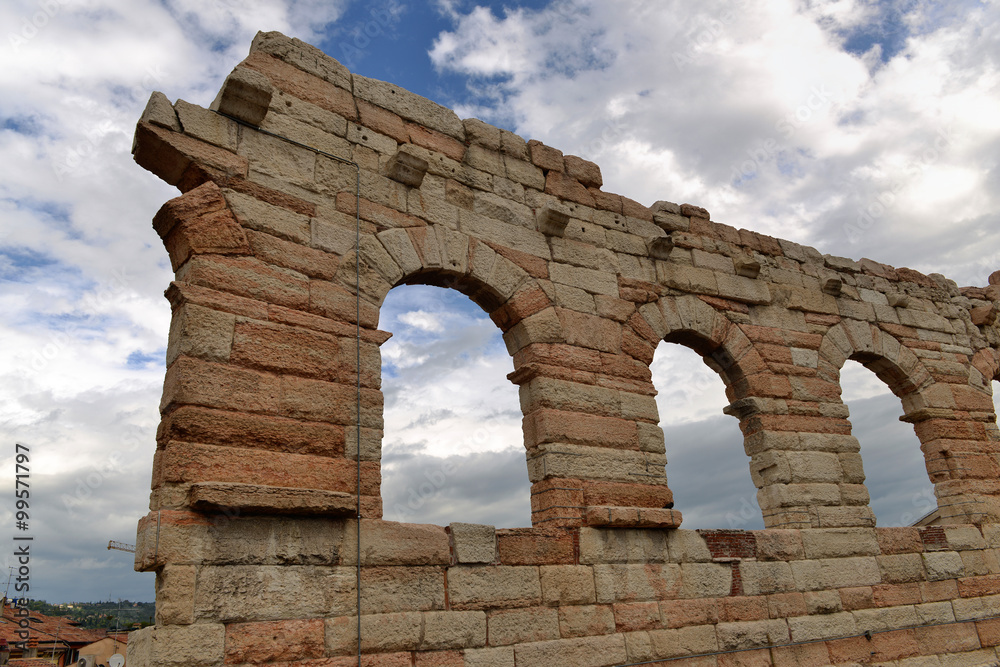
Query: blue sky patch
x=21 y=265
x=888 y=30
x=27 y=125
x=139 y=360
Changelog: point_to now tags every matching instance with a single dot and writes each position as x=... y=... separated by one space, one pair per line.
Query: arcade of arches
x=309 y=192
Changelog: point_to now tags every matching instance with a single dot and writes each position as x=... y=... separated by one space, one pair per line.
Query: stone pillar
x=260 y=399
x=595 y=452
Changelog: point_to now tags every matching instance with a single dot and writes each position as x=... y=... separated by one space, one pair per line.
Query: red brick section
x=534 y=546
x=727 y=544
x=934 y=538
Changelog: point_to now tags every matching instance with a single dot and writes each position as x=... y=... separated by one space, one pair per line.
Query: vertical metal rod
x=357 y=283
x=357 y=317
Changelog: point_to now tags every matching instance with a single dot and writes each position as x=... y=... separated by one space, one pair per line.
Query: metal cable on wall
x=357 y=342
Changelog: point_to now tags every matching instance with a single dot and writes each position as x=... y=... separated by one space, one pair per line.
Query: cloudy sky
x=863 y=128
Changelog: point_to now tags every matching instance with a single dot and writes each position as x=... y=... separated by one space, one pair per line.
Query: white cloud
x=679 y=99
x=422 y=320
x=81 y=270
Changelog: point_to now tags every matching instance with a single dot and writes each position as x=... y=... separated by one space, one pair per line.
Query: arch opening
x=896 y=476
x=452 y=446
x=706 y=465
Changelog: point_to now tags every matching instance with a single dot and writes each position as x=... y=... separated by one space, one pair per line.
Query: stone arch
x=958 y=451
x=692 y=323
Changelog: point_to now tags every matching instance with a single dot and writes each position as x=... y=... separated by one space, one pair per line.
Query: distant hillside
x=100 y=615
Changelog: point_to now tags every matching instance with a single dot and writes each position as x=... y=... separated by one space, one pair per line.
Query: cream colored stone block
x=826 y=626
x=976 y=563
x=576 y=461
x=567 y=584
x=639 y=647
x=198 y=645
x=991 y=535
x=595 y=282
x=961 y=538
x=388 y=590
x=518 y=626
x=263 y=217
x=973 y=608
x=684 y=641
x=473 y=543
x=934 y=612
x=392 y=543
x=705 y=580
x=636 y=583
x=175 y=587
x=901 y=568
x=603 y=545
x=839 y=542
x=273 y=592
x=766 y=577
x=493 y=587
x=779 y=544
x=160 y=112
x=409 y=105
x=489 y=657
x=579 y=652
x=453 y=630
x=822 y=602
x=943 y=565
x=886 y=619
x=400 y=248
x=687 y=546
x=811 y=575
x=821 y=467
x=196 y=331
x=745 y=635
x=139 y=651
x=969 y=658
x=207 y=125
x=585 y=620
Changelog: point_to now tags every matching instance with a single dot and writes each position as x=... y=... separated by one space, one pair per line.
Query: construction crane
x=121 y=546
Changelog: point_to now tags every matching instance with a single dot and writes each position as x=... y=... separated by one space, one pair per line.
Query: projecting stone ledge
x=632 y=517
x=215 y=496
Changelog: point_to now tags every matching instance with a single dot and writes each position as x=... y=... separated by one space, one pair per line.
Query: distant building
x=53 y=640
x=103 y=649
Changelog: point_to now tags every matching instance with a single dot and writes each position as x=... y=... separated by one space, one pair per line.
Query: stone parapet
x=309 y=192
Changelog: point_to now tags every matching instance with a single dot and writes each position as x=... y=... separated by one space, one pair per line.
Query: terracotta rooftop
x=47 y=629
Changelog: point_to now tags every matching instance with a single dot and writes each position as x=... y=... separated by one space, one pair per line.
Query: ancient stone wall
x=309 y=192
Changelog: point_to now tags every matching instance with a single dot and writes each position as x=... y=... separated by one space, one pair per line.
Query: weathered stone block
x=634 y=583
x=493 y=586
x=473 y=543
x=517 y=626
x=581 y=651
x=567 y=584
x=585 y=620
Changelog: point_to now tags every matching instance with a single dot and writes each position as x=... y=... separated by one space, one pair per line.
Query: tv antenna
x=118 y=546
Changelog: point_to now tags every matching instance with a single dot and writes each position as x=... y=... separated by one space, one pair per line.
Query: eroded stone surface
x=260 y=468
